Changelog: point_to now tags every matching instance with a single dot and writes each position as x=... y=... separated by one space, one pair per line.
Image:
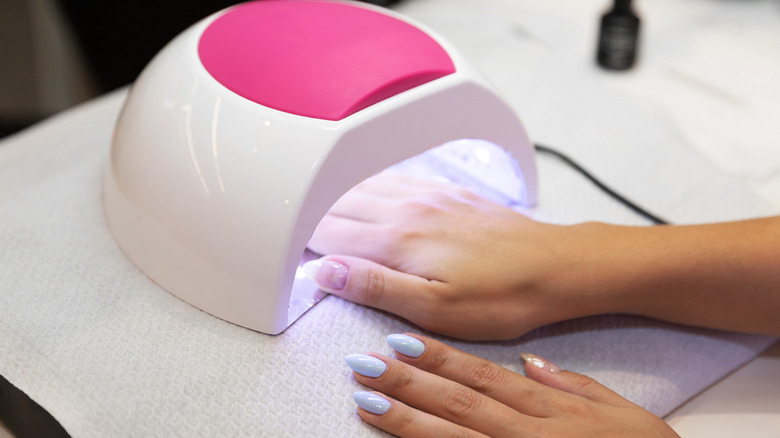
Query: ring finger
x=403 y=420
x=510 y=388
x=438 y=396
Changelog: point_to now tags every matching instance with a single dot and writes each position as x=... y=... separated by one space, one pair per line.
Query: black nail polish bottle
x=618 y=37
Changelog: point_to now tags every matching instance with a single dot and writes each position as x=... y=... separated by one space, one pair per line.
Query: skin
x=445 y=392
x=457 y=264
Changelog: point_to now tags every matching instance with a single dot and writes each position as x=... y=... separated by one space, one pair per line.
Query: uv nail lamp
x=243 y=131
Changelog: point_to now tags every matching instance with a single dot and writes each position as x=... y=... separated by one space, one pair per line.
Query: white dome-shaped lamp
x=242 y=132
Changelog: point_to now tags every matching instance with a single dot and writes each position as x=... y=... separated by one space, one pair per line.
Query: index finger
x=512 y=389
x=372 y=284
x=441 y=397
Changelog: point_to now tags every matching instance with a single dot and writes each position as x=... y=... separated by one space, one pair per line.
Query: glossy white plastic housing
x=215 y=197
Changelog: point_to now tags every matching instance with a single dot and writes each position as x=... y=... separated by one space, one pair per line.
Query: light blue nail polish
x=366 y=365
x=371 y=402
x=406 y=345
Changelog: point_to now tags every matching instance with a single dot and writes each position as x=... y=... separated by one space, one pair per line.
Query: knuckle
x=421 y=209
x=404 y=233
x=405 y=424
x=436 y=362
x=374 y=285
x=487 y=377
x=398 y=236
x=436 y=358
x=585 y=385
x=462 y=433
x=419 y=206
x=461 y=403
x=574 y=408
x=464 y=193
x=403 y=379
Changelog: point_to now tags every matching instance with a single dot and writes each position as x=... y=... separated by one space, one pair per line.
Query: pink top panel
x=318 y=59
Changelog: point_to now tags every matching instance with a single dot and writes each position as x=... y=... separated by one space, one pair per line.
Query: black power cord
x=620 y=198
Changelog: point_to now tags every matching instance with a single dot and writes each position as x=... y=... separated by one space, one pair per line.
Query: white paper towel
x=108 y=353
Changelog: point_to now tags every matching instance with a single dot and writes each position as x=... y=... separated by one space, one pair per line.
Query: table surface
x=699 y=58
x=746 y=403
x=710 y=67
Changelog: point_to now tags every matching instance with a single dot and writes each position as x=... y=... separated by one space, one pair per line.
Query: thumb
x=549 y=374
x=371 y=284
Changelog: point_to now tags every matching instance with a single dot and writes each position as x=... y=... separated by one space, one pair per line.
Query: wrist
x=721 y=276
x=600 y=277
x=646 y=270
x=578 y=274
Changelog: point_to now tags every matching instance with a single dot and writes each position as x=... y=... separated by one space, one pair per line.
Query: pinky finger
x=402 y=420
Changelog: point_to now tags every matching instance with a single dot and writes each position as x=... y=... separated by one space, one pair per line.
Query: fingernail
x=406 y=345
x=366 y=365
x=371 y=402
x=538 y=362
x=329 y=274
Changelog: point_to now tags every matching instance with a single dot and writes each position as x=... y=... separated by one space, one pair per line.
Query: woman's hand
x=435 y=390
x=457 y=264
x=451 y=261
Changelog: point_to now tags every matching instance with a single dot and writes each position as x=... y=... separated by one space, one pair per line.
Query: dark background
x=118 y=38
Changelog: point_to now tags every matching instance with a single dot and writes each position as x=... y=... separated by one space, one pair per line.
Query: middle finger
x=488 y=378
x=439 y=396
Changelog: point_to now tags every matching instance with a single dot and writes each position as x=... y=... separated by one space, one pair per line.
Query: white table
x=746 y=403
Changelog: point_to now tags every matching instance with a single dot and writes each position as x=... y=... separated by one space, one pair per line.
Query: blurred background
x=706 y=80
x=58 y=53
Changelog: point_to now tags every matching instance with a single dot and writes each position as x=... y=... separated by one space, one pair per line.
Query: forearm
x=724 y=276
x=459 y=265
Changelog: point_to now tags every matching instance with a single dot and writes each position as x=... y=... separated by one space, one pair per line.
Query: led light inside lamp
x=477 y=165
x=244 y=130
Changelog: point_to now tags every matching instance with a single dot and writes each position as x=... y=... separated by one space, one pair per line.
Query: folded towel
x=109 y=353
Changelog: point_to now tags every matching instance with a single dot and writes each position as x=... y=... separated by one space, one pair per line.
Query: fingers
x=342 y=235
x=437 y=396
x=361 y=206
x=394 y=184
x=551 y=375
x=374 y=285
x=376 y=198
x=480 y=375
x=431 y=391
x=372 y=199
x=402 y=420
